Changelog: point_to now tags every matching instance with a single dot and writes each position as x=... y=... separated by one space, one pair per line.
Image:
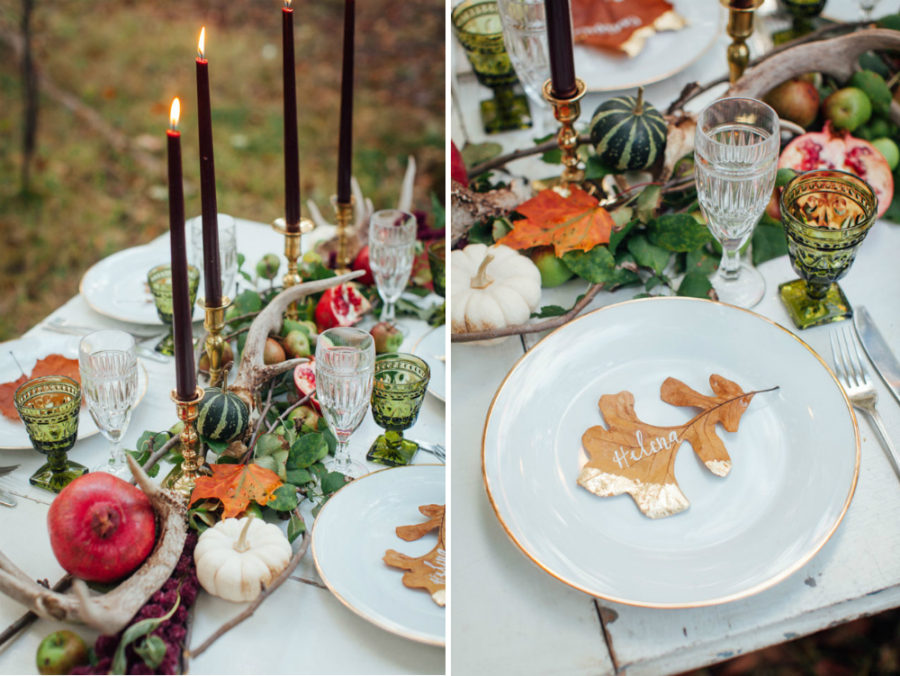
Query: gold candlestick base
x=343 y=215
x=214 y=322
x=566 y=111
x=740 y=27
x=182 y=480
x=292 y=250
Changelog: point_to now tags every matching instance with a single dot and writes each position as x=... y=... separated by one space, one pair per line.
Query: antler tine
x=317 y=217
x=406 y=190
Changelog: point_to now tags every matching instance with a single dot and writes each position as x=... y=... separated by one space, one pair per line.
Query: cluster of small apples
x=861 y=108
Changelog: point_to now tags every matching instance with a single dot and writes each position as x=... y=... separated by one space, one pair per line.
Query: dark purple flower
x=153 y=610
x=140 y=667
x=106 y=645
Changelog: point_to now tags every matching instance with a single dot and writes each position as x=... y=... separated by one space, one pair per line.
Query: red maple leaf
x=576 y=222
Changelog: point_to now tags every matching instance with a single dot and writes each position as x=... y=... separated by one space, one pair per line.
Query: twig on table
x=13 y=629
x=232 y=623
x=234 y=334
x=185 y=653
x=290 y=408
x=521 y=329
x=518 y=154
x=262 y=417
x=306 y=580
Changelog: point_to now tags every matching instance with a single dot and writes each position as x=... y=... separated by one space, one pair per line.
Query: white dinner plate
x=354 y=530
x=795 y=458
x=27 y=352
x=664 y=54
x=117 y=285
x=432 y=348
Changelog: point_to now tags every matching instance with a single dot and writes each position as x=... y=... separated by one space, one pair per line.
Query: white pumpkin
x=236 y=557
x=491 y=287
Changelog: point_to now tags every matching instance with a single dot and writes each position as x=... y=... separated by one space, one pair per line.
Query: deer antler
x=109 y=612
x=252 y=372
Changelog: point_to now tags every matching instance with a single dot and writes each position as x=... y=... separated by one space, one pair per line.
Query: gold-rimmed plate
x=27 y=351
x=357 y=526
x=432 y=348
x=795 y=457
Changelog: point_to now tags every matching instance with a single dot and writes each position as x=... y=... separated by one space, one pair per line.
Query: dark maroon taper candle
x=291 y=152
x=185 y=376
x=559 y=42
x=345 y=139
x=212 y=270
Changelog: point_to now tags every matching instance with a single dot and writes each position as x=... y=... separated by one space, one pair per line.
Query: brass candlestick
x=344 y=214
x=183 y=480
x=292 y=254
x=740 y=27
x=215 y=344
x=566 y=111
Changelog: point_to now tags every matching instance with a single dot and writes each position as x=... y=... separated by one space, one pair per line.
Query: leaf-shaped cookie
x=427 y=571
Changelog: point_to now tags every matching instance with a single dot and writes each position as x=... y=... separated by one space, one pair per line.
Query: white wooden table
x=301 y=629
x=511 y=617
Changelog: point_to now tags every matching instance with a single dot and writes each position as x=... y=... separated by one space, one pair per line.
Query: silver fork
x=851 y=370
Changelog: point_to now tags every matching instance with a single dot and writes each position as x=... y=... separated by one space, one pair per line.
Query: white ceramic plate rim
x=13 y=436
x=493 y=484
x=366 y=608
x=433 y=363
x=98 y=283
x=649 y=66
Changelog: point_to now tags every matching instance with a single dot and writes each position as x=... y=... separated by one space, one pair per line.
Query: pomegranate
x=361 y=262
x=830 y=149
x=341 y=305
x=305 y=381
x=101 y=527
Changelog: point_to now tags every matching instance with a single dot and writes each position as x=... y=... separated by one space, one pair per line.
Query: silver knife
x=879 y=351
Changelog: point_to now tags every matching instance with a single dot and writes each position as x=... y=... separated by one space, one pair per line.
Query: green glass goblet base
x=507 y=111
x=57 y=473
x=807 y=312
x=392 y=449
x=166 y=346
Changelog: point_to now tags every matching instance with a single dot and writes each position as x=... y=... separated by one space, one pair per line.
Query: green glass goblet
x=804 y=19
x=160 y=281
x=49 y=407
x=477 y=26
x=397 y=394
x=826 y=216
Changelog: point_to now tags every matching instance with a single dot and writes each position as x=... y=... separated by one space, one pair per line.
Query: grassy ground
x=126 y=60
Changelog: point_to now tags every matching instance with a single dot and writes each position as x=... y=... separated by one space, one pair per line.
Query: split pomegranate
x=101 y=527
x=305 y=382
x=830 y=149
x=341 y=305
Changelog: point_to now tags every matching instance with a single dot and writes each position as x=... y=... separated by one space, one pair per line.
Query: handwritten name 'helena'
x=626 y=457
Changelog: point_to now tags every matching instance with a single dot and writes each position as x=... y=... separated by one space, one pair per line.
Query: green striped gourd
x=628 y=133
x=222 y=416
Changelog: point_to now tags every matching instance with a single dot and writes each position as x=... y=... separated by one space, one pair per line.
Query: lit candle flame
x=175 y=113
x=201 y=43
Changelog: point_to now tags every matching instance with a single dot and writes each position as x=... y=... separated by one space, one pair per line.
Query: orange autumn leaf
x=51 y=365
x=237 y=486
x=576 y=222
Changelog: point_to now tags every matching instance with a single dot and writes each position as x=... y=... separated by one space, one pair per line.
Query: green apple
x=305 y=419
x=889 y=149
x=296 y=344
x=60 y=652
x=848 y=108
x=268 y=266
x=553 y=271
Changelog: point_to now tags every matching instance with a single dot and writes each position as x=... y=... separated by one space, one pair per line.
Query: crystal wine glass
x=160 y=281
x=392 y=248
x=345 y=364
x=737 y=143
x=49 y=406
x=109 y=380
x=401 y=381
x=826 y=216
x=525 y=35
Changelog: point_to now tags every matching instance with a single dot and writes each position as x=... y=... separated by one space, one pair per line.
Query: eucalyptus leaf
x=217 y=447
x=648 y=255
x=481 y=233
x=700 y=260
x=296 y=527
x=136 y=631
x=678 y=232
x=308 y=449
x=598 y=266
x=299 y=477
x=549 y=311
x=695 y=284
x=285 y=498
x=616 y=237
x=769 y=241
x=594 y=168
x=267 y=444
x=332 y=482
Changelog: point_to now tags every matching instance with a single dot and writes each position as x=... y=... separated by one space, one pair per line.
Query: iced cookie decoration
x=427 y=571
